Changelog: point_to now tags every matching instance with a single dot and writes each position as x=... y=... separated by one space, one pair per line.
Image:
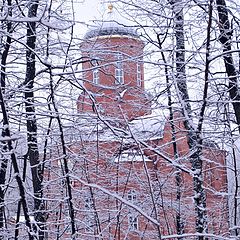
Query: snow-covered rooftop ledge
x=90 y=126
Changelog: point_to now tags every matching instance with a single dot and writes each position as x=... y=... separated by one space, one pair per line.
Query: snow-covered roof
x=131 y=155
x=88 y=127
x=112 y=24
x=148 y=127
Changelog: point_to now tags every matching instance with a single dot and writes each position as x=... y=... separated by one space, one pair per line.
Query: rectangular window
x=119 y=74
x=89 y=225
x=132 y=217
x=95 y=72
x=89 y=203
x=132 y=222
x=132 y=196
x=139 y=77
x=89 y=217
x=67 y=221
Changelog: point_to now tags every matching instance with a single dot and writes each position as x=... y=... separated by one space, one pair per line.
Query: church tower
x=113 y=77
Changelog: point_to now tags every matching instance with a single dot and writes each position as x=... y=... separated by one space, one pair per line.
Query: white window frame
x=95 y=72
x=67 y=222
x=88 y=203
x=139 y=75
x=89 y=218
x=132 y=222
x=119 y=74
x=89 y=225
x=132 y=218
x=132 y=196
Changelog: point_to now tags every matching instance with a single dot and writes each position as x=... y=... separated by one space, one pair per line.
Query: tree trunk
x=225 y=39
x=233 y=88
x=65 y=162
x=33 y=153
x=178 y=178
x=4 y=158
x=193 y=138
x=13 y=158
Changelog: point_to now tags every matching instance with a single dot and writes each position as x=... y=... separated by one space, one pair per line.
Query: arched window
x=119 y=74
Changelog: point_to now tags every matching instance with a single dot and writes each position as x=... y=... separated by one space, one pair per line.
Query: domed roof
x=113 y=24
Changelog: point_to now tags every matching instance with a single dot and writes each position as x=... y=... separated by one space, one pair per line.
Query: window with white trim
x=132 y=217
x=95 y=71
x=89 y=217
x=119 y=74
x=139 y=75
x=67 y=222
x=88 y=203
x=89 y=225
x=132 y=222
x=132 y=196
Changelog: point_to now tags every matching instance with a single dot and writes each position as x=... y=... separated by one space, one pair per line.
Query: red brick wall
x=134 y=101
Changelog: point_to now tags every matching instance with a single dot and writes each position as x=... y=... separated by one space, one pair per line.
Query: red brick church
x=121 y=160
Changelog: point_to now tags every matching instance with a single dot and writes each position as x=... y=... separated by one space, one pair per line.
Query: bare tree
x=225 y=38
x=33 y=152
x=4 y=160
x=96 y=172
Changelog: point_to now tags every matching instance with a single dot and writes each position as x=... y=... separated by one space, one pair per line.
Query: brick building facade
x=122 y=166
